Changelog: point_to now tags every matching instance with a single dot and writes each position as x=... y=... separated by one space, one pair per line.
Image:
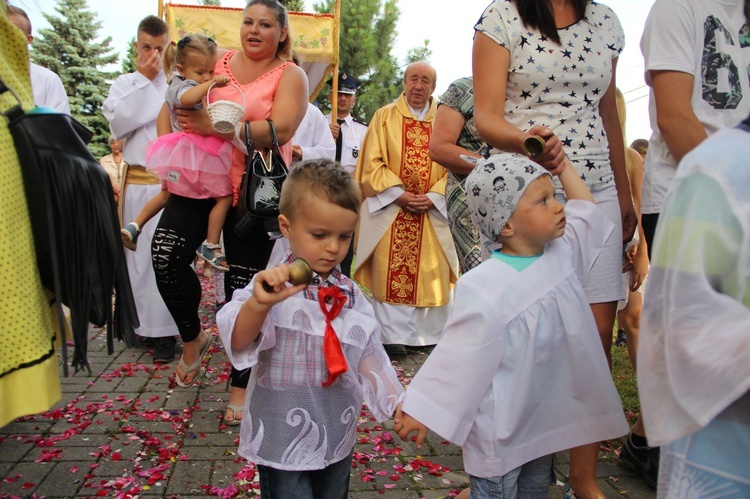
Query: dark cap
x=347 y=84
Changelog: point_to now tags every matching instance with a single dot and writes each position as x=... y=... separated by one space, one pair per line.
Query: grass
x=625 y=382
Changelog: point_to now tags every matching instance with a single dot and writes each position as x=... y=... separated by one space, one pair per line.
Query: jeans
x=329 y=483
x=530 y=480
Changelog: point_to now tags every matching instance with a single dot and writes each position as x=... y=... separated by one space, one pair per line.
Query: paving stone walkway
x=128 y=431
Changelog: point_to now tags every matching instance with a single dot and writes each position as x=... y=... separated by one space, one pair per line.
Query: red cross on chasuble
x=331 y=302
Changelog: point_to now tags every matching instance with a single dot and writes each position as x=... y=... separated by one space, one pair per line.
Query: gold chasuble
x=403 y=258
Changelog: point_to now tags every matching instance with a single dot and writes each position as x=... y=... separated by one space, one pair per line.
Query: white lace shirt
x=291 y=421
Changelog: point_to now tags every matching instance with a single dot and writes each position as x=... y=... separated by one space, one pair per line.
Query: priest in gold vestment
x=405 y=253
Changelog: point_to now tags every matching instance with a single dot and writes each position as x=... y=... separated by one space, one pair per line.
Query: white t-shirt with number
x=708 y=39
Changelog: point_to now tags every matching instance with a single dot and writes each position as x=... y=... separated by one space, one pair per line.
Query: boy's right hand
x=221 y=80
x=553 y=157
x=405 y=424
x=276 y=279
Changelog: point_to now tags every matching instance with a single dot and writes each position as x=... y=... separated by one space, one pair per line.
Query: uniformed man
x=348 y=132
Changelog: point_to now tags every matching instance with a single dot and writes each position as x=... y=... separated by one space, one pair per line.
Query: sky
x=450 y=33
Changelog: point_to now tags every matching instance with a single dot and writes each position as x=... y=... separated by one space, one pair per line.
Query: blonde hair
x=284 y=50
x=178 y=53
x=320 y=178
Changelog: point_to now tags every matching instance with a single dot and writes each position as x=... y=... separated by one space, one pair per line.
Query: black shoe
x=147 y=343
x=164 y=351
x=395 y=350
x=643 y=460
x=621 y=339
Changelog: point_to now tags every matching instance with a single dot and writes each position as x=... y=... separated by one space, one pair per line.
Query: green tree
x=294 y=5
x=130 y=61
x=366 y=37
x=69 y=48
x=215 y=3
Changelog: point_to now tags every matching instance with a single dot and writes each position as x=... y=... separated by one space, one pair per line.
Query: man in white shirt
x=348 y=133
x=696 y=58
x=131 y=108
x=312 y=140
x=46 y=85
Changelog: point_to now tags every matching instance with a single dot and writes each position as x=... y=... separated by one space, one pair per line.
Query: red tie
x=335 y=360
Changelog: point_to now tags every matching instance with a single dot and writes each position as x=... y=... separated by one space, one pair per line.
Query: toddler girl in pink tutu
x=189 y=165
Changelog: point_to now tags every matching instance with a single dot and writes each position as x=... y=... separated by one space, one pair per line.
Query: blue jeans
x=329 y=483
x=530 y=480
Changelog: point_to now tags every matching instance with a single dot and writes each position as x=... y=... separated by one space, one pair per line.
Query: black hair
x=538 y=14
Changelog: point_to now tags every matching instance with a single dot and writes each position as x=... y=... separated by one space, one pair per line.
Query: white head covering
x=494 y=187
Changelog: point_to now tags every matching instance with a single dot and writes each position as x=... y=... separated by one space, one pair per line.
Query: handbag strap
x=272 y=128
x=248 y=138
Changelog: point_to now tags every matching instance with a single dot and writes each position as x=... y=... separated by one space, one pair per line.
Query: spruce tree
x=130 y=61
x=69 y=48
x=366 y=37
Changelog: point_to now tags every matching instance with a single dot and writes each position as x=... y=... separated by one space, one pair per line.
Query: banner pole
x=335 y=79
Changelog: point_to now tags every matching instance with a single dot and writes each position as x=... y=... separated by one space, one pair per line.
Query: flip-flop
x=197 y=365
x=236 y=409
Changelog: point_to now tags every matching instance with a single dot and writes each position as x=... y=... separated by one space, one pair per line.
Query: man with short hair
x=347 y=131
x=405 y=252
x=46 y=86
x=132 y=106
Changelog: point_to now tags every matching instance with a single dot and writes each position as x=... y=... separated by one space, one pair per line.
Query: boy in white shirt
x=313 y=360
x=534 y=379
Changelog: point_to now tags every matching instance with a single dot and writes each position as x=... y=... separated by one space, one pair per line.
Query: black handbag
x=75 y=227
x=260 y=189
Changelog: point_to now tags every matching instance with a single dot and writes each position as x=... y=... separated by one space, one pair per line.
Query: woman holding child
x=275 y=89
x=547 y=68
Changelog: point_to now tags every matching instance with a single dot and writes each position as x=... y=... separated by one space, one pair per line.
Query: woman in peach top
x=276 y=89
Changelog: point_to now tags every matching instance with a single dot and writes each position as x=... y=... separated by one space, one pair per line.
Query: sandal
x=197 y=365
x=212 y=254
x=235 y=411
x=569 y=494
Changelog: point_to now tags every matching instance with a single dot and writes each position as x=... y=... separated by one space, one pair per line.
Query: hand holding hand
x=421 y=204
x=405 y=424
x=296 y=152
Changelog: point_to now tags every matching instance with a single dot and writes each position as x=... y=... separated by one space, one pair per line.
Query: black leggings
x=181 y=230
x=649 y=222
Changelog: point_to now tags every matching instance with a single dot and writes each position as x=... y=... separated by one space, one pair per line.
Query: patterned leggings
x=181 y=229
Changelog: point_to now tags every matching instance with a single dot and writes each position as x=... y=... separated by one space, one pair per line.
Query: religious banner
x=314 y=36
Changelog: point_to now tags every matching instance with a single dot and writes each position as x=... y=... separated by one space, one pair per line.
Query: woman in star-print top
x=547 y=68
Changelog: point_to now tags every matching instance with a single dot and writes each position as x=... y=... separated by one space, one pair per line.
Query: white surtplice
x=520 y=371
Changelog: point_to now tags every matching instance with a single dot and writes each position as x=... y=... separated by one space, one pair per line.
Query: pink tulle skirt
x=193 y=166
